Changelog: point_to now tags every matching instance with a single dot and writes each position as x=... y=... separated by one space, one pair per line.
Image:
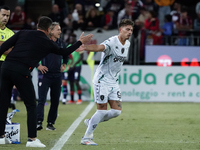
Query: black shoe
x=50 y=127
x=39 y=125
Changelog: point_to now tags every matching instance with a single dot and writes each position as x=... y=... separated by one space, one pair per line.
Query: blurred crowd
x=157 y=18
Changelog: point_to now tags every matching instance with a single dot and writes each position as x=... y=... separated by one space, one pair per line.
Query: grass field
x=141 y=126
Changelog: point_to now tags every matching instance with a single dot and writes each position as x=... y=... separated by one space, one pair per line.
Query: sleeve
x=107 y=43
x=37 y=65
x=65 y=51
x=9 y=43
x=65 y=59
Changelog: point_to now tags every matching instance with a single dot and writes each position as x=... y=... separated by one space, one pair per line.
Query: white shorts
x=103 y=93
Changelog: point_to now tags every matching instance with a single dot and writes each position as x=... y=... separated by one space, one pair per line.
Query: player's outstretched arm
x=91 y=48
x=94 y=48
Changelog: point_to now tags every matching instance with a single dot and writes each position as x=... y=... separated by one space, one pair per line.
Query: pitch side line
x=63 y=139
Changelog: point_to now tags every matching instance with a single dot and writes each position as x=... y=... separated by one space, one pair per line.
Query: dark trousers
x=25 y=87
x=55 y=88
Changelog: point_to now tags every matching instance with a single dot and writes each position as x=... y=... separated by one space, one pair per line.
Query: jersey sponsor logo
x=118 y=94
x=102 y=97
x=2 y=37
x=122 y=50
x=119 y=58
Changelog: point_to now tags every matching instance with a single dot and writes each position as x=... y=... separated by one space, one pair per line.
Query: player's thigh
x=100 y=96
x=77 y=73
x=64 y=76
x=102 y=106
x=70 y=74
x=114 y=98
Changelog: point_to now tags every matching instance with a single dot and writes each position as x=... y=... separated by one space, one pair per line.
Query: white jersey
x=112 y=59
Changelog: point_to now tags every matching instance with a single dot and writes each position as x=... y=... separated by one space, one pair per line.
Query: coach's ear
x=48 y=30
x=120 y=29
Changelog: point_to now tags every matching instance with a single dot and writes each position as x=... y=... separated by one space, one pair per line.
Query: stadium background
x=177 y=82
x=141 y=126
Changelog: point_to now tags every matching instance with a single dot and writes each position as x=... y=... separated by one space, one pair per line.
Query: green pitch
x=141 y=126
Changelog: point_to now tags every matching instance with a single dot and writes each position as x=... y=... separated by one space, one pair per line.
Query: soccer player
x=74 y=72
x=74 y=77
x=29 y=47
x=50 y=73
x=105 y=81
x=65 y=79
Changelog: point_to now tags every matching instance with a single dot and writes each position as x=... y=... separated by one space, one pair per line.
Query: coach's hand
x=85 y=39
x=43 y=69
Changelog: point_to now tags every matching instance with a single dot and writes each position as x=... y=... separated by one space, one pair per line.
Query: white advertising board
x=157 y=84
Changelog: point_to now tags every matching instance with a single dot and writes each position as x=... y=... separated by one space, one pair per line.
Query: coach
x=30 y=46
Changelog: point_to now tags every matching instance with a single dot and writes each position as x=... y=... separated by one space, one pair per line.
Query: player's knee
x=116 y=112
x=102 y=112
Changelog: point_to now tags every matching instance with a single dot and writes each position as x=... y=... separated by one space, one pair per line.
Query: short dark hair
x=125 y=22
x=44 y=23
x=4 y=7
